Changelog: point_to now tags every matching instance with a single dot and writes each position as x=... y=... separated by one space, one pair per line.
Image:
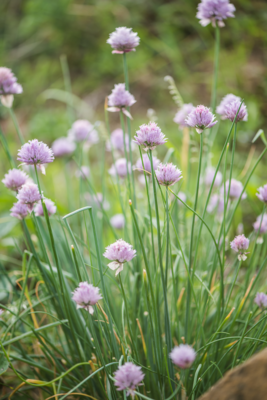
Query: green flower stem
x=216 y=67
x=167 y=318
x=188 y=300
x=6 y=149
x=15 y=122
x=126 y=154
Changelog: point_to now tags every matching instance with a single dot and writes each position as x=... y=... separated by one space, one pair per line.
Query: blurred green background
x=35 y=33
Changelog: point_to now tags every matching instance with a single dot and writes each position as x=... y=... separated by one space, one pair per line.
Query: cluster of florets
x=201 y=118
x=262 y=195
x=50 y=206
x=86 y=296
x=119 y=252
x=168 y=174
x=29 y=194
x=261 y=300
x=119 y=99
x=117 y=221
x=120 y=168
x=215 y=11
x=149 y=136
x=236 y=189
x=35 y=153
x=147 y=164
x=239 y=244
x=183 y=356
x=82 y=130
x=19 y=210
x=181 y=115
x=63 y=146
x=123 y=40
x=8 y=86
x=116 y=141
x=261 y=224
x=128 y=377
x=15 y=179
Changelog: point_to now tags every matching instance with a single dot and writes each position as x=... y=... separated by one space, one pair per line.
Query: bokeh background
x=36 y=34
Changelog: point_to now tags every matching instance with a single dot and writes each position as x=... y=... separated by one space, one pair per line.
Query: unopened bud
x=130 y=202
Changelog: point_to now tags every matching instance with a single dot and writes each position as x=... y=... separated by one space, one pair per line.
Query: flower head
x=35 y=153
x=128 y=377
x=123 y=40
x=261 y=300
x=229 y=98
x=86 y=296
x=214 y=10
x=117 y=142
x=117 y=221
x=147 y=164
x=201 y=118
x=236 y=189
x=183 y=356
x=8 y=86
x=216 y=202
x=262 y=195
x=19 y=210
x=119 y=252
x=120 y=167
x=168 y=174
x=261 y=223
x=180 y=116
x=149 y=136
x=239 y=244
x=82 y=130
x=50 y=206
x=119 y=99
x=14 y=179
x=209 y=175
x=29 y=195
x=63 y=146
x=231 y=110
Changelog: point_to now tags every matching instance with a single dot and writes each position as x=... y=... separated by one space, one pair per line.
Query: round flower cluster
x=19 y=210
x=82 y=130
x=236 y=188
x=35 y=153
x=201 y=118
x=128 y=377
x=117 y=221
x=183 y=356
x=15 y=179
x=119 y=99
x=262 y=195
x=229 y=98
x=117 y=141
x=8 y=86
x=180 y=116
x=29 y=194
x=239 y=244
x=261 y=300
x=86 y=295
x=215 y=11
x=119 y=252
x=168 y=174
x=149 y=136
x=63 y=146
x=120 y=167
x=261 y=224
x=50 y=206
x=123 y=40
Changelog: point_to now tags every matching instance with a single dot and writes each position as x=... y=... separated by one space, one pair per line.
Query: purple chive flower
x=29 y=195
x=168 y=174
x=63 y=146
x=209 y=175
x=123 y=40
x=117 y=142
x=8 y=86
x=19 y=210
x=261 y=223
x=180 y=116
x=147 y=165
x=97 y=200
x=35 y=153
x=50 y=206
x=82 y=130
x=201 y=118
x=236 y=189
x=149 y=136
x=231 y=110
x=83 y=173
x=119 y=252
x=239 y=244
x=229 y=98
x=214 y=11
x=120 y=168
x=119 y=99
x=128 y=377
x=261 y=300
x=14 y=179
x=86 y=296
x=216 y=202
x=117 y=221
x=262 y=195
x=183 y=356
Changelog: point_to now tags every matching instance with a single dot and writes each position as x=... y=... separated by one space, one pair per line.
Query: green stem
x=216 y=67
x=126 y=154
x=15 y=122
x=188 y=300
x=6 y=149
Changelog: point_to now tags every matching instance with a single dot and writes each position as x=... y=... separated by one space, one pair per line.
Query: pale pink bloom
x=120 y=167
x=123 y=40
x=149 y=136
x=261 y=300
x=183 y=356
x=262 y=195
x=29 y=195
x=180 y=116
x=117 y=221
x=239 y=244
x=86 y=296
x=168 y=174
x=119 y=252
x=19 y=210
x=14 y=179
x=128 y=377
x=201 y=118
x=50 y=206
